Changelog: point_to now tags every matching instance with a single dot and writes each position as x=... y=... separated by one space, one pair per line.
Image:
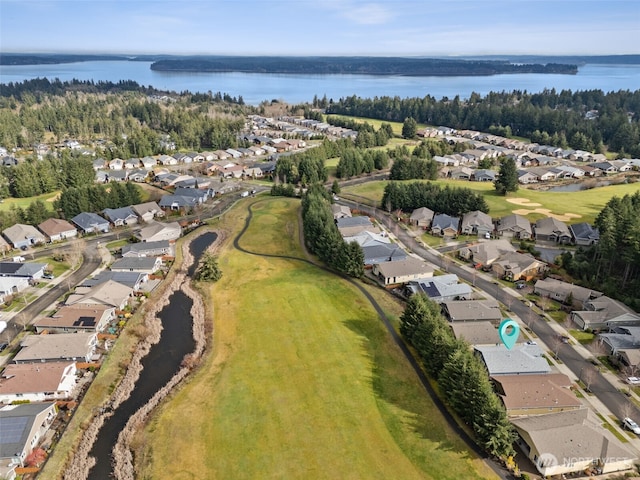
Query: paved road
x=608 y=394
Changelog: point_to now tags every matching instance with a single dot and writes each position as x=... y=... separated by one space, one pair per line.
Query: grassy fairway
x=47 y=198
x=586 y=203
x=303 y=380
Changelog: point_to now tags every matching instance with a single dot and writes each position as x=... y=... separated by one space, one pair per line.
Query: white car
x=633 y=380
x=631 y=425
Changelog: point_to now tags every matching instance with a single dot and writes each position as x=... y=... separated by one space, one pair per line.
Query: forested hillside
x=549 y=117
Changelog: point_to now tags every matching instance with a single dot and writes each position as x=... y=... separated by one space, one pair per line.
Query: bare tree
x=588 y=375
x=75 y=251
x=556 y=342
x=544 y=303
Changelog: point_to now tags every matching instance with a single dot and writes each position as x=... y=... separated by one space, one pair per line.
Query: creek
x=159 y=366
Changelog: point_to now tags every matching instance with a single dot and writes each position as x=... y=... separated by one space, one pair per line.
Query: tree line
x=36 y=177
x=322 y=237
x=454 y=201
x=461 y=376
x=613 y=264
x=96 y=197
x=419 y=163
x=557 y=118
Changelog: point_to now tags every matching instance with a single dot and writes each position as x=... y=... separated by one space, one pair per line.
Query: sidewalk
x=590 y=400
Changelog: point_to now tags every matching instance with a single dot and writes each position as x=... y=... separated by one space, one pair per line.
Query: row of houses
x=299 y=126
x=47 y=368
x=21 y=236
x=511 y=226
x=551 y=422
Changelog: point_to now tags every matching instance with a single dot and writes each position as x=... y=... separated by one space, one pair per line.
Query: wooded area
x=550 y=117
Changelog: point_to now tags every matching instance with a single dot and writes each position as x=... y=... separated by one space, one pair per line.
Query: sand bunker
x=524 y=202
x=545 y=211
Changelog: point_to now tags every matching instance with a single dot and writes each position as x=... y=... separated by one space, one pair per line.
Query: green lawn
x=303 y=380
x=47 y=198
x=583 y=337
x=57 y=268
x=585 y=203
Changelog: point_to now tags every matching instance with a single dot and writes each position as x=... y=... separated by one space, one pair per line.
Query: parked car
x=3 y=345
x=631 y=425
x=633 y=380
x=48 y=276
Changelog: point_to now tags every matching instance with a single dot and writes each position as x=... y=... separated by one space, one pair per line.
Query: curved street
x=614 y=400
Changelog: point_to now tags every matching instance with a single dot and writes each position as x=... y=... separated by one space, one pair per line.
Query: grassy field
x=302 y=382
x=47 y=198
x=585 y=203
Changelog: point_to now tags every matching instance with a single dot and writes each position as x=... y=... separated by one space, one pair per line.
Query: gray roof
x=521 y=359
x=191 y=192
x=18 y=269
x=475 y=219
x=135 y=263
x=16 y=422
x=549 y=225
x=580 y=294
x=122 y=213
x=443 y=221
x=422 y=213
x=584 y=231
x=353 y=221
x=87 y=220
x=514 y=222
x=382 y=252
x=180 y=200
x=472 y=310
x=61 y=346
x=569 y=434
x=142 y=247
x=130 y=279
x=19 y=232
x=476 y=333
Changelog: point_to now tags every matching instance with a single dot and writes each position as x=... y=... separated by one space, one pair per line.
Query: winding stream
x=159 y=366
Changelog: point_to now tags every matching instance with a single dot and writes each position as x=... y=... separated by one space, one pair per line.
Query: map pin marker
x=509 y=338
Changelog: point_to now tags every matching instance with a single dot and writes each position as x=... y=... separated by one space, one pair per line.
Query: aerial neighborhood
x=52 y=364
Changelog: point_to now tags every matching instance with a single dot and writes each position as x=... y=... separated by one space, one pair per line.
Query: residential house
x=131 y=163
x=623 y=347
x=522 y=359
x=461 y=173
x=622 y=165
x=444 y=225
x=422 y=217
x=518 y=266
x=37 y=382
x=552 y=230
x=138 y=175
x=485 y=253
x=482 y=332
x=525 y=177
x=472 y=311
x=571 y=442
x=20 y=235
x=483 y=175
x=157 y=231
x=366 y=238
x=180 y=157
x=146 y=265
x=133 y=280
x=167 y=160
x=172 y=178
x=116 y=164
x=382 y=252
x=148 y=249
x=148 y=163
x=100 y=164
x=22 y=428
x=196 y=157
x=340 y=211
x=147 y=211
x=514 y=226
x=57 y=229
x=89 y=222
x=543 y=174
x=605 y=167
x=402 y=271
x=121 y=216
x=584 y=234
x=440 y=288
x=12 y=285
x=564 y=292
x=476 y=223
x=536 y=394
x=177 y=202
x=110 y=294
x=350 y=226
x=30 y=271
x=604 y=312
x=252 y=173
x=77 y=318
x=79 y=347
x=199 y=195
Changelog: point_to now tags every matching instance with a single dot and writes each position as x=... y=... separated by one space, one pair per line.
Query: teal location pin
x=509 y=339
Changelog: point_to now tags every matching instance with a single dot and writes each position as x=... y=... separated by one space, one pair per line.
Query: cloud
x=362 y=13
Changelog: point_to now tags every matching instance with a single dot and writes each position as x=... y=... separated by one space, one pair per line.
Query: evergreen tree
x=409 y=127
x=208 y=271
x=507 y=180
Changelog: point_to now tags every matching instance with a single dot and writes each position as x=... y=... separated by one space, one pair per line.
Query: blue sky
x=322 y=27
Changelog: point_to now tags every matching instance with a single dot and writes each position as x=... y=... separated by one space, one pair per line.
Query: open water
x=257 y=87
